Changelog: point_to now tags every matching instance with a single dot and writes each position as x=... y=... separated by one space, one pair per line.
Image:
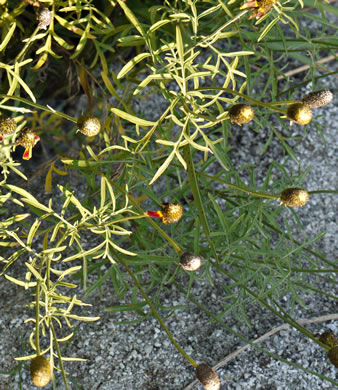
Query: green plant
x=203 y=59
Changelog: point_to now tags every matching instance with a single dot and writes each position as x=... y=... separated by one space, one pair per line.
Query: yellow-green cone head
x=299 y=113
x=40 y=371
x=294 y=197
x=89 y=125
x=208 y=377
x=7 y=126
x=171 y=212
x=333 y=355
x=241 y=113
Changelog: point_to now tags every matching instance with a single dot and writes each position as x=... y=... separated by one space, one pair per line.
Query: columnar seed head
x=208 y=377
x=171 y=213
x=294 y=197
x=329 y=338
x=241 y=113
x=318 y=98
x=333 y=355
x=7 y=126
x=45 y=17
x=89 y=125
x=40 y=371
x=190 y=262
x=299 y=113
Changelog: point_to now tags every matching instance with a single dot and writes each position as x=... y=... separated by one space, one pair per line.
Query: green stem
x=155 y=313
x=25 y=48
x=197 y=196
x=59 y=355
x=37 y=318
x=40 y=107
x=248 y=98
x=323 y=192
x=250 y=192
x=264 y=303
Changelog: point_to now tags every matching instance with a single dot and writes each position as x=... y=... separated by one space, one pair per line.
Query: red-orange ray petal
x=27 y=153
x=154 y=214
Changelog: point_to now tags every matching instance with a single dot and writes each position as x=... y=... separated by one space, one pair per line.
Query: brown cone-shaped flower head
x=40 y=371
x=7 y=126
x=45 y=17
x=318 y=98
x=208 y=377
x=299 y=113
x=28 y=139
x=241 y=113
x=329 y=338
x=171 y=212
x=190 y=262
x=294 y=197
x=89 y=125
x=333 y=355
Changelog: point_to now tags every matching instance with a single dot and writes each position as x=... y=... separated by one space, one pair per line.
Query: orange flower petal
x=27 y=153
x=154 y=214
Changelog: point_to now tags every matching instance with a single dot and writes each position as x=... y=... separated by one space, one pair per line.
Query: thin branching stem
x=155 y=312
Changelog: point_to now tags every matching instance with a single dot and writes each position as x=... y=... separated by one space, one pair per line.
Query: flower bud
x=208 y=377
x=241 y=113
x=294 y=197
x=299 y=113
x=318 y=98
x=190 y=262
x=89 y=125
x=40 y=371
x=45 y=17
x=171 y=212
x=333 y=355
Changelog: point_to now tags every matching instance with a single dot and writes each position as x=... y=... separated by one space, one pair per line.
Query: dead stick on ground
x=303 y=68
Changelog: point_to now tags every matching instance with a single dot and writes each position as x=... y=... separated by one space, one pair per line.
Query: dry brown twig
x=303 y=68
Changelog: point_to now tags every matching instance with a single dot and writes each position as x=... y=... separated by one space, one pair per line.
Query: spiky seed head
x=171 y=212
x=190 y=262
x=241 y=113
x=40 y=371
x=333 y=355
x=294 y=197
x=208 y=377
x=318 y=98
x=7 y=126
x=89 y=125
x=299 y=113
x=329 y=338
x=45 y=17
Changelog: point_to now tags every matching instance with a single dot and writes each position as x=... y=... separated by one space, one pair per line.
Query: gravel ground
x=140 y=356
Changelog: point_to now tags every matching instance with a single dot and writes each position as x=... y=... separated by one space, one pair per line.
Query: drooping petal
x=27 y=155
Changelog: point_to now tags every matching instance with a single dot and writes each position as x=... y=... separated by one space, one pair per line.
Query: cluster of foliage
x=205 y=60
